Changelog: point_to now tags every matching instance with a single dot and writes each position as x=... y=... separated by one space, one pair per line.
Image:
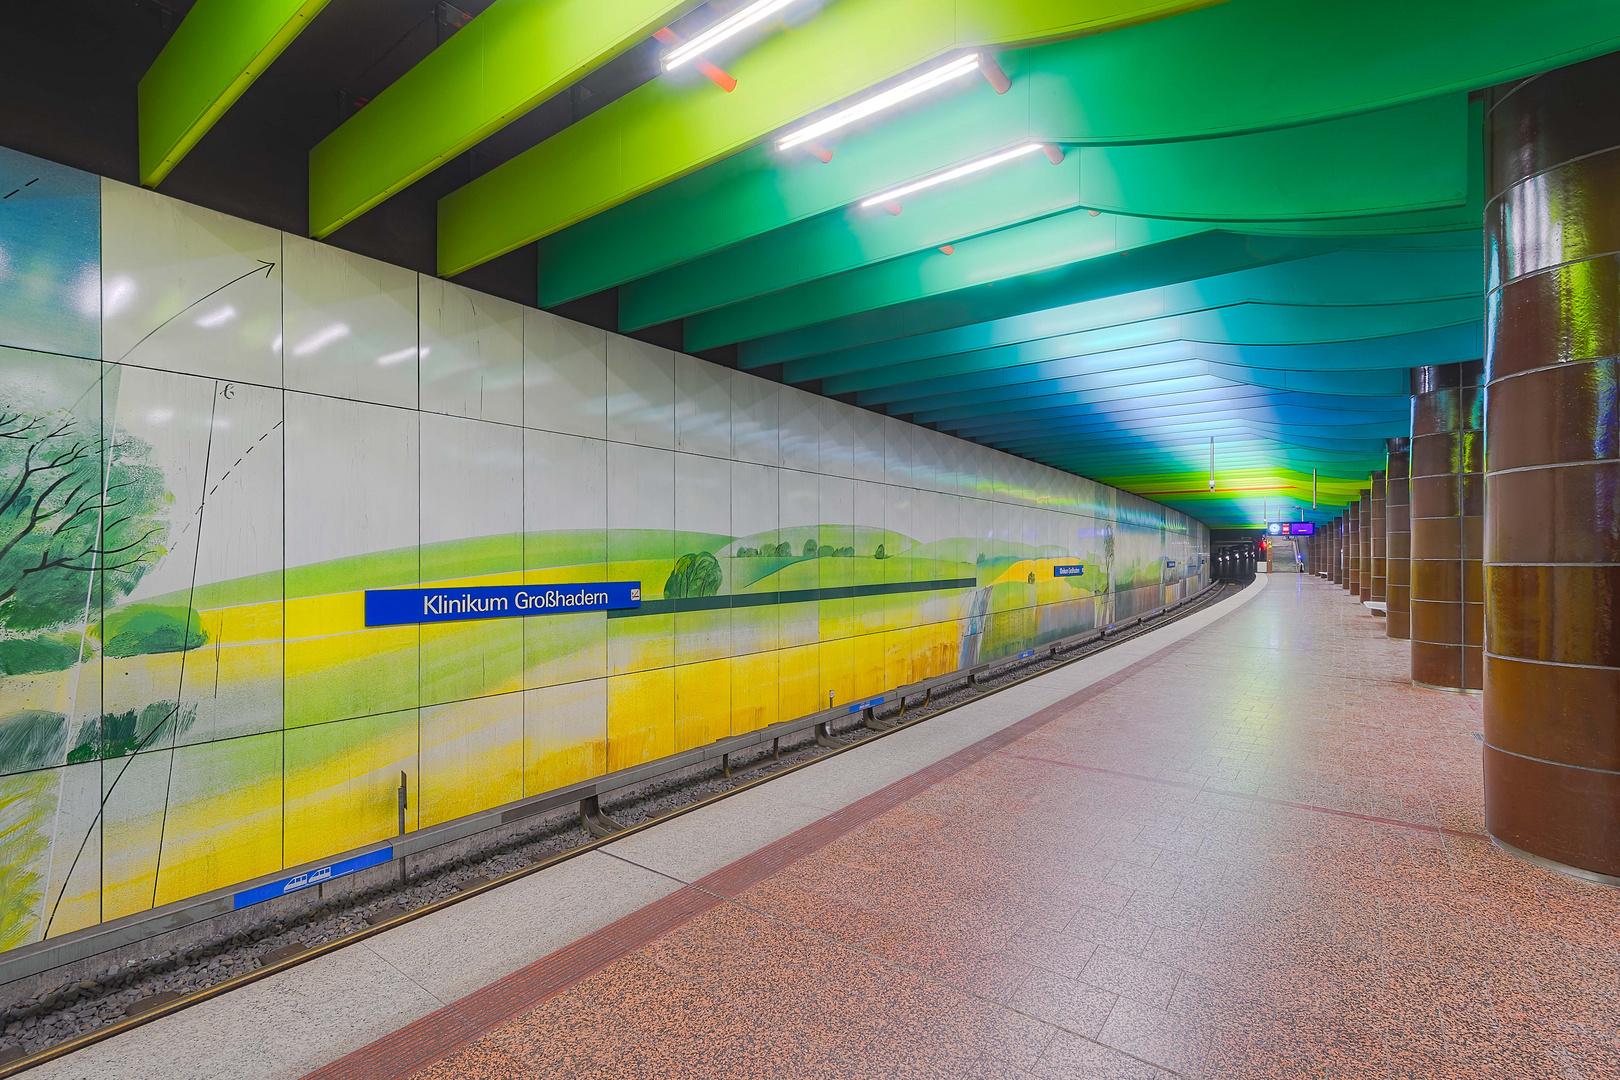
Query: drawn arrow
x=264 y=266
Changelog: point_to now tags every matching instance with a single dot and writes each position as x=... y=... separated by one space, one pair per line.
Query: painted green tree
x=695 y=574
x=72 y=505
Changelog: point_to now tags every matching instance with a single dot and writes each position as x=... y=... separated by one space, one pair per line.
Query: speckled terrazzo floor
x=1256 y=853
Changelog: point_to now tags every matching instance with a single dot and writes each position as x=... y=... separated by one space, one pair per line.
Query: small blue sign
x=1068 y=571
x=1169 y=564
x=869 y=703
x=1026 y=654
x=400 y=607
x=312 y=877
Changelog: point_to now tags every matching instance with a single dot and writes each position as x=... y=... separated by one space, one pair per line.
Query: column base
x=1566 y=814
x=1447 y=689
x=1553 y=864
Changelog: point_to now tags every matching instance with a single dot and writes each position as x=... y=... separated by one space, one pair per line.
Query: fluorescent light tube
x=951 y=174
x=724 y=30
x=878 y=102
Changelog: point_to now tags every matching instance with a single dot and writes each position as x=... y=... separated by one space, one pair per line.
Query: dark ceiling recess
x=68 y=76
x=68 y=71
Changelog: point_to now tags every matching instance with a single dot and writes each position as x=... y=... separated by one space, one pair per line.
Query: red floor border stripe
x=425 y=1041
x=1251 y=797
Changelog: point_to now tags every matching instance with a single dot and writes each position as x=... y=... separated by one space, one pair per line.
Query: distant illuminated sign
x=1068 y=571
x=1292 y=528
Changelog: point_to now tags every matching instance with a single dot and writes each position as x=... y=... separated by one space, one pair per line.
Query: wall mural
x=215 y=437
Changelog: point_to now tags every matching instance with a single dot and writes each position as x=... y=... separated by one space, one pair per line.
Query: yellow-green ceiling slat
x=220 y=47
x=506 y=61
x=673 y=125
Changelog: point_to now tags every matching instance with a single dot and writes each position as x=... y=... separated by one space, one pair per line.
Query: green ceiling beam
x=1192 y=451
x=1411 y=158
x=1124 y=382
x=1393 y=161
x=1239 y=403
x=1195 y=76
x=506 y=61
x=672 y=126
x=1308 y=432
x=1343 y=277
x=758 y=190
x=1233 y=455
x=1251 y=324
x=1220 y=403
x=1330 y=489
x=1189 y=76
x=1238 y=466
x=1194 y=404
x=1107 y=242
x=220 y=47
x=849 y=239
x=1205 y=254
x=1296 y=367
x=1048 y=244
x=1450 y=344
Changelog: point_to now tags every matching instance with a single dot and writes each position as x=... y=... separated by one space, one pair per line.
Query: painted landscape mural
x=214 y=437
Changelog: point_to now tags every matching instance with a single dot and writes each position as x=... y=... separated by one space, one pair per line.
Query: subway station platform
x=1241 y=846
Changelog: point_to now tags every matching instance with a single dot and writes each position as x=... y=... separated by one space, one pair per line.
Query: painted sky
x=50 y=256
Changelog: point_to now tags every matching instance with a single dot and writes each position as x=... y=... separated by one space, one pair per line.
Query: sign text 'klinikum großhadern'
x=398 y=607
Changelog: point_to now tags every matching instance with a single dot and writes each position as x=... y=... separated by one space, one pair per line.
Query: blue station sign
x=400 y=607
x=1068 y=571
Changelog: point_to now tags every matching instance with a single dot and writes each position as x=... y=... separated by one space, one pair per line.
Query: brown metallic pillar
x=1552 y=513
x=1352 y=550
x=1364 y=544
x=1379 y=561
x=1337 y=537
x=1447 y=488
x=1398 y=545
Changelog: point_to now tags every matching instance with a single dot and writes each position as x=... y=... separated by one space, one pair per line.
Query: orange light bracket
x=992 y=71
x=725 y=82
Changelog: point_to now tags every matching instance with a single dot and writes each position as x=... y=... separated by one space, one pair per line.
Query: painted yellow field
x=474 y=715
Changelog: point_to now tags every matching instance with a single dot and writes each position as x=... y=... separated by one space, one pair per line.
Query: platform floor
x=1242 y=846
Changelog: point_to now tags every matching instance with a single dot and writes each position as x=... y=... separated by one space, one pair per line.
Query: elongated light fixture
x=724 y=30
x=951 y=174
x=889 y=98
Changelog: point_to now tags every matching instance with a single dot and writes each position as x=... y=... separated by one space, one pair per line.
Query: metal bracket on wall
x=869 y=719
x=596 y=823
x=729 y=769
x=824 y=737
